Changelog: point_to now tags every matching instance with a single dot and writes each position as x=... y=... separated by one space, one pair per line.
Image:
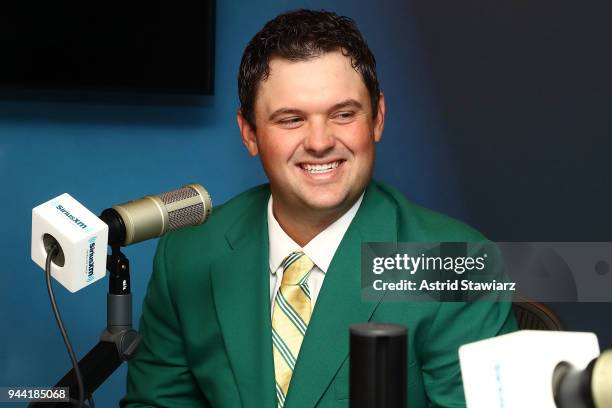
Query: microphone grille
x=191 y=215
x=184 y=215
x=178 y=195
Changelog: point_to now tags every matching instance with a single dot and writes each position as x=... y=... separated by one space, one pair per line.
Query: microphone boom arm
x=118 y=341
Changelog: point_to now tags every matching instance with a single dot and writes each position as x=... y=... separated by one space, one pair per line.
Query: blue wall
x=105 y=148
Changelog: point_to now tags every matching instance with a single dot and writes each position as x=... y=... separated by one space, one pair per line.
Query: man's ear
x=249 y=138
x=379 y=120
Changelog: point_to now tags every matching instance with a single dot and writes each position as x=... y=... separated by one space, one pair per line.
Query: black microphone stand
x=118 y=342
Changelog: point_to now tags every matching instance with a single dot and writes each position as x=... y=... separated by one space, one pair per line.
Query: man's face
x=315 y=133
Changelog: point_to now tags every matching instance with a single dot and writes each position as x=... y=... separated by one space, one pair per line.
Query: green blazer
x=206 y=316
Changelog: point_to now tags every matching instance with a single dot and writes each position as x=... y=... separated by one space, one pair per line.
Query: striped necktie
x=290 y=319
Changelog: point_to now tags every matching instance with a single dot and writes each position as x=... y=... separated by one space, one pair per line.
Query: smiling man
x=261 y=317
x=314 y=127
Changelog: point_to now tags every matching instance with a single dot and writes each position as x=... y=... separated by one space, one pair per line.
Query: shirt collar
x=320 y=249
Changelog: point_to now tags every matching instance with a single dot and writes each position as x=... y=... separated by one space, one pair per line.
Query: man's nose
x=320 y=139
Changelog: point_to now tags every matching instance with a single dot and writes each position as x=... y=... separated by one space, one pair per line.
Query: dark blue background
x=497 y=114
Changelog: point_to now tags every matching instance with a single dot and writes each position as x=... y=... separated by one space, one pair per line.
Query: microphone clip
x=119 y=329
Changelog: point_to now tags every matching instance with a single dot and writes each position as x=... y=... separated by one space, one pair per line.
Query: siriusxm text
x=90 y=261
x=71 y=217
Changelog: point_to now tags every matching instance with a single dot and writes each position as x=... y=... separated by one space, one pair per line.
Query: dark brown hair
x=298 y=36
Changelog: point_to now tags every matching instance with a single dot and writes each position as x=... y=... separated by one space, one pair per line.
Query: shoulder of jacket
x=208 y=240
x=427 y=224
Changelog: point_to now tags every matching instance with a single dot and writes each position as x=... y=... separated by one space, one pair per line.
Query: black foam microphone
x=378 y=362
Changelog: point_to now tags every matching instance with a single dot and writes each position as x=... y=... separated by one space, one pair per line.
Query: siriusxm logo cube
x=82 y=235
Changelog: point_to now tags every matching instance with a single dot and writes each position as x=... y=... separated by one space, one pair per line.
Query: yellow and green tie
x=290 y=319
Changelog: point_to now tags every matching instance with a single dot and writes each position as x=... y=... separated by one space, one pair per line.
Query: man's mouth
x=320 y=168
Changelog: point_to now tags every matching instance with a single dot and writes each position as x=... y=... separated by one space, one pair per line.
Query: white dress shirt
x=320 y=250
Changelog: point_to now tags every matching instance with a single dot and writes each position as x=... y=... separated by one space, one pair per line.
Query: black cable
x=53 y=251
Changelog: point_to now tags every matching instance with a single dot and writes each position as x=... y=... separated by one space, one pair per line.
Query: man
x=235 y=325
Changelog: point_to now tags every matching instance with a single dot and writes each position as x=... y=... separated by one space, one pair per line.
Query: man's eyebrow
x=349 y=103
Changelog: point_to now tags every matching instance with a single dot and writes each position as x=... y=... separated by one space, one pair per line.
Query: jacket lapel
x=326 y=344
x=241 y=290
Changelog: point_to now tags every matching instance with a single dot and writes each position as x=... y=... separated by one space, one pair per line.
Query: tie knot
x=295 y=268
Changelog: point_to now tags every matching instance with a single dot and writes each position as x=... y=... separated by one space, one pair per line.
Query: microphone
x=80 y=234
x=153 y=216
x=378 y=362
x=530 y=368
x=588 y=388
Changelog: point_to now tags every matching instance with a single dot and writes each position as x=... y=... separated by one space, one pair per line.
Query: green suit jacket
x=206 y=316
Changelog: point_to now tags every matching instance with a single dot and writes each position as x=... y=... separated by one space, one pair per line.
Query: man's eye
x=291 y=122
x=344 y=116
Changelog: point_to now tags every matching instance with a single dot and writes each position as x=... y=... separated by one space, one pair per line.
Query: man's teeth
x=320 y=168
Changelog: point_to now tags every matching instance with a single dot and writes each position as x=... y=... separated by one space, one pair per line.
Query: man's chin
x=329 y=205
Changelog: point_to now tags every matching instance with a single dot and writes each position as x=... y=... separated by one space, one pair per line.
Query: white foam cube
x=82 y=236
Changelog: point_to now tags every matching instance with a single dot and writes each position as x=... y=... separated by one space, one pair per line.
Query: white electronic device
x=82 y=236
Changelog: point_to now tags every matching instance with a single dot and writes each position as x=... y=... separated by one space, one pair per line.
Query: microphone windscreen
x=378 y=362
